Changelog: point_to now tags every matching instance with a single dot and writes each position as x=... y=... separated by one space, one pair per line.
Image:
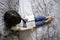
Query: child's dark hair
x=11 y=18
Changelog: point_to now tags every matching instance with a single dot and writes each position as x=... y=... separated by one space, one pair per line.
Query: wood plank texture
x=39 y=7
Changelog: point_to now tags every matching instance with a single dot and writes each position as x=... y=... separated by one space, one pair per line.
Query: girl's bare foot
x=49 y=18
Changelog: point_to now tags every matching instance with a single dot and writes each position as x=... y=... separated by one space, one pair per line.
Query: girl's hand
x=26 y=19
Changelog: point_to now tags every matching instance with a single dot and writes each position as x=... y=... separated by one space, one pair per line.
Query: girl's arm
x=29 y=28
x=22 y=29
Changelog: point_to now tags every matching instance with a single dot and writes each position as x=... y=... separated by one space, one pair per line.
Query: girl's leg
x=39 y=18
x=24 y=24
x=39 y=23
x=43 y=21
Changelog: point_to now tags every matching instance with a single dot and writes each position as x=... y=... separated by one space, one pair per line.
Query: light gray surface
x=39 y=7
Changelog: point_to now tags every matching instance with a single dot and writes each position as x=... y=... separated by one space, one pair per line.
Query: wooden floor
x=39 y=7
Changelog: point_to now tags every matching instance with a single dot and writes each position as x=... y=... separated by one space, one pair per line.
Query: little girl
x=12 y=20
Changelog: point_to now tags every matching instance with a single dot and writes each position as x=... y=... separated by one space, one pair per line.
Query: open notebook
x=30 y=18
x=31 y=21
